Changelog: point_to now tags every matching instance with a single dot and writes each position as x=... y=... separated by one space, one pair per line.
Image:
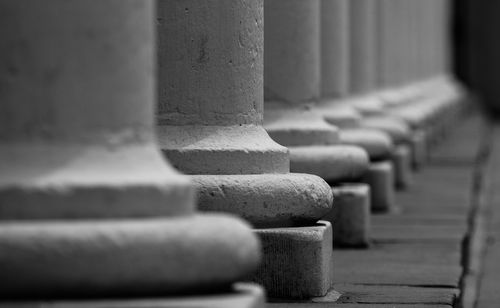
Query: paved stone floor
x=417 y=258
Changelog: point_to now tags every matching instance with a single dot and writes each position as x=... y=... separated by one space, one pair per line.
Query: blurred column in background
x=292 y=89
x=428 y=98
x=88 y=206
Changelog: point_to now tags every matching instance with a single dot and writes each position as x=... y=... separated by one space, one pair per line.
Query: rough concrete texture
x=380 y=177
x=298 y=126
x=401 y=160
x=297 y=261
x=169 y=255
x=335 y=164
x=197 y=149
x=350 y=217
x=292 y=38
x=241 y=295
x=208 y=76
x=276 y=200
x=376 y=143
x=77 y=143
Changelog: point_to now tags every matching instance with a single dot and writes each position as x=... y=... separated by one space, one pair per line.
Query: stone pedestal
x=294 y=79
x=88 y=206
x=380 y=177
x=301 y=256
x=401 y=159
x=351 y=216
x=210 y=126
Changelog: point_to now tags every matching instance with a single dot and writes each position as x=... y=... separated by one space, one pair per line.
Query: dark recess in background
x=476 y=59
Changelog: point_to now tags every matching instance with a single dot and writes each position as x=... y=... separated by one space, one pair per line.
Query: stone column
x=210 y=126
x=293 y=86
x=88 y=206
x=433 y=104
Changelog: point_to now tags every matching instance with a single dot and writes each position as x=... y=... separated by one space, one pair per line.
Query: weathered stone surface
x=376 y=143
x=380 y=177
x=244 y=295
x=88 y=205
x=89 y=258
x=336 y=163
x=210 y=63
x=198 y=149
x=350 y=217
x=297 y=261
x=418 y=148
x=266 y=199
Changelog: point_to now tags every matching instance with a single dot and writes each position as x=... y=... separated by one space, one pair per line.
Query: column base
x=380 y=177
x=266 y=200
x=242 y=295
x=334 y=163
x=376 y=143
x=296 y=261
x=401 y=160
x=136 y=257
x=350 y=216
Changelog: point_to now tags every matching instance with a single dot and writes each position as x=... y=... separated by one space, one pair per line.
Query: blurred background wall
x=476 y=34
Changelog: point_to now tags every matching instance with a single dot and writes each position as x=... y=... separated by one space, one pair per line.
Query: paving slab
x=394 y=294
x=338 y=305
x=432 y=253
x=417 y=233
x=415 y=259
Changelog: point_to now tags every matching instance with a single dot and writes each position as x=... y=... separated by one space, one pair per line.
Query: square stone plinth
x=350 y=216
x=401 y=159
x=418 y=149
x=242 y=295
x=380 y=177
x=296 y=261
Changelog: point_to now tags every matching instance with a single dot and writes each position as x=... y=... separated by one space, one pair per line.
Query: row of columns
x=87 y=187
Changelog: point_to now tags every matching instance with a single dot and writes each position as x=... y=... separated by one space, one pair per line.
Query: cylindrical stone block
x=210 y=62
x=211 y=88
x=401 y=160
